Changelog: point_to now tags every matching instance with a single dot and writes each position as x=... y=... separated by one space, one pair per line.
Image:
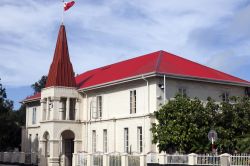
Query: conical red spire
x=61 y=71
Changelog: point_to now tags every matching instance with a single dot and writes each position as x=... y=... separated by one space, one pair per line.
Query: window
x=93 y=109
x=93 y=141
x=72 y=108
x=105 y=141
x=34 y=115
x=133 y=102
x=63 y=111
x=225 y=97
x=99 y=106
x=96 y=107
x=182 y=92
x=139 y=139
x=126 y=140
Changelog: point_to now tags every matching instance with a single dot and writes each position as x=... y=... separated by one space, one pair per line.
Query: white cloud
x=106 y=31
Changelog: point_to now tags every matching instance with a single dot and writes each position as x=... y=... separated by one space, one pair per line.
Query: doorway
x=68 y=147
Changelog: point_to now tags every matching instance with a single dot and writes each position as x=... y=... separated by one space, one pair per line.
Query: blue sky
x=211 y=32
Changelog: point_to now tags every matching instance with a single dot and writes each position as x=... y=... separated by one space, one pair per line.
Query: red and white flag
x=68 y=5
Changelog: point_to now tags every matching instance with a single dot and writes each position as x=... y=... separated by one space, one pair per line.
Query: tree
x=183 y=125
x=5 y=104
x=40 y=84
x=233 y=125
x=9 y=129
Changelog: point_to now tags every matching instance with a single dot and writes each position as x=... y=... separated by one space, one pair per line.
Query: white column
x=142 y=160
x=54 y=153
x=67 y=108
x=192 y=159
x=42 y=101
x=77 y=109
x=124 y=160
x=77 y=148
x=47 y=109
x=89 y=160
x=161 y=158
x=60 y=109
x=105 y=160
x=225 y=159
x=55 y=113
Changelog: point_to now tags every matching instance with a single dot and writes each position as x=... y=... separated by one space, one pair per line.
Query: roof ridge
x=158 y=62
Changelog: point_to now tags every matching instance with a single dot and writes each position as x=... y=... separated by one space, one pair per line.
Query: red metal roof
x=36 y=96
x=61 y=71
x=158 y=62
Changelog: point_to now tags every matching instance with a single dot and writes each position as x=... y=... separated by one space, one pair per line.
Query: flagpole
x=62 y=11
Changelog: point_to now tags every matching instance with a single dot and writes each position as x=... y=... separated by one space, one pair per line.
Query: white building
x=110 y=109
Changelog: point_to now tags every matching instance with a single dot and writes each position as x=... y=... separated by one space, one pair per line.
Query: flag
x=68 y=5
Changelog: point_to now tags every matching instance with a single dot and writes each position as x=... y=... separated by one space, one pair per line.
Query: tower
x=60 y=106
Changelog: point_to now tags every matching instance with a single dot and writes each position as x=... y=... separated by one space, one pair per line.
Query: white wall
x=116 y=111
x=202 y=90
x=115 y=129
x=116 y=115
x=29 y=115
x=116 y=99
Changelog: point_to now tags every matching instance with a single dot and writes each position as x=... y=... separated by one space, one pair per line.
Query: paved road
x=7 y=165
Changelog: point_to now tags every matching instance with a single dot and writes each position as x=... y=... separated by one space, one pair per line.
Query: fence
x=115 y=159
x=81 y=159
x=201 y=159
x=208 y=160
x=133 y=160
x=97 y=159
x=176 y=159
x=240 y=159
x=19 y=157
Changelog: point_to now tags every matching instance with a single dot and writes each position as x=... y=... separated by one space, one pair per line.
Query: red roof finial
x=61 y=71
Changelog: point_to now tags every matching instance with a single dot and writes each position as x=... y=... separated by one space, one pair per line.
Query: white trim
x=152 y=74
x=146 y=75
x=223 y=82
x=115 y=82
